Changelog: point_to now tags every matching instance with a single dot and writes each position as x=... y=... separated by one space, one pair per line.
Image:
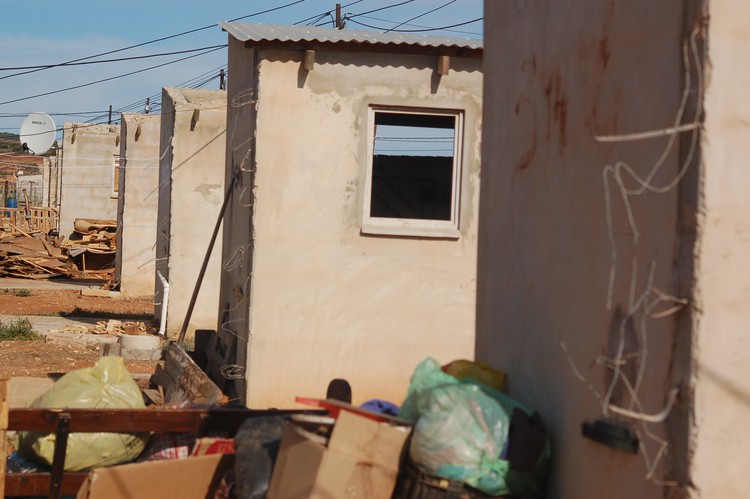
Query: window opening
x=414 y=172
x=116 y=171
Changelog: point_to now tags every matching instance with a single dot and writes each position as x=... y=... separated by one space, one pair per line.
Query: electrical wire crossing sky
x=73 y=60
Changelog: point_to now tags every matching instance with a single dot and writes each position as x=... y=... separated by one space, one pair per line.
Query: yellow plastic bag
x=478 y=371
x=106 y=385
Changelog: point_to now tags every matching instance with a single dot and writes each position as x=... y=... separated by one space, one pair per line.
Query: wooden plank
x=37 y=484
x=19 y=230
x=141 y=420
x=46 y=246
x=186 y=381
x=112 y=420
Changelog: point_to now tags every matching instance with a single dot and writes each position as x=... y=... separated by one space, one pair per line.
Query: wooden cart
x=62 y=422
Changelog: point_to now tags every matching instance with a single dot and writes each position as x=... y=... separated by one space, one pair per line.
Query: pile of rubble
x=32 y=257
x=110 y=327
x=89 y=255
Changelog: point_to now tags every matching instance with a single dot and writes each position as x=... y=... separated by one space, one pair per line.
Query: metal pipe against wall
x=164 y=304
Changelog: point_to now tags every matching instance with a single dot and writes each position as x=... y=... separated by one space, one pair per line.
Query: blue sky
x=41 y=32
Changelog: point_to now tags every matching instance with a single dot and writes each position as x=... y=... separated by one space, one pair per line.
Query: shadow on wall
x=374 y=60
x=728 y=386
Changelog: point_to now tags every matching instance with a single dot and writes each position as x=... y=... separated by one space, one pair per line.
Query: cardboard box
x=195 y=477
x=361 y=460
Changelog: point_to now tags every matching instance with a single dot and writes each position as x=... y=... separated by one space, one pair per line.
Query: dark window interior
x=412 y=168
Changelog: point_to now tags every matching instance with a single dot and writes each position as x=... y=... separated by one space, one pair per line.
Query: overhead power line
x=119 y=59
x=421 y=30
x=421 y=15
x=108 y=79
x=209 y=26
x=379 y=9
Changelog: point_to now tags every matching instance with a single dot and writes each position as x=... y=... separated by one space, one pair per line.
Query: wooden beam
x=309 y=61
x=37 y=484
x=443 y=64
x=138 y=420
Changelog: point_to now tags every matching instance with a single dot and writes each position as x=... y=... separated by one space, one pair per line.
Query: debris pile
x=32 y=257
x=453 y=436
x=111 y=327
x=90 y=254
x=92 y=249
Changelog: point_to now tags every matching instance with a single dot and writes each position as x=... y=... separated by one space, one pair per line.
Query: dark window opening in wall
x=414 y=172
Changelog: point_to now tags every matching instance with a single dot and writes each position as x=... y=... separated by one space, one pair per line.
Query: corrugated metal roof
x=256 y=32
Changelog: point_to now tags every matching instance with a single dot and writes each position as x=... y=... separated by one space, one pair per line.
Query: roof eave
x=380 y=48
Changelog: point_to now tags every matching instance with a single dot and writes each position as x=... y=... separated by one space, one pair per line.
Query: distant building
x=191 y=191
x=89 y=183
x=137 y=200
x=350 y=235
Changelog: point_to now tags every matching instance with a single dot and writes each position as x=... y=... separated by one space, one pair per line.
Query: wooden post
x=27 y=212
x=338 y=16
x=3 y=431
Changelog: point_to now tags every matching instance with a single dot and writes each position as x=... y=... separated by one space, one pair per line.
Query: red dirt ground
x=40 y=359
x=70 y=302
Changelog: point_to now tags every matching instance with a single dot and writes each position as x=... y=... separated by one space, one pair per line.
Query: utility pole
x=222 y=81
x=109 y=121
x=148 y=105
x=338 y=16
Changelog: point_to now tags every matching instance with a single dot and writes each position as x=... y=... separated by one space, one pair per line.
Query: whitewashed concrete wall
x=723 y=387
x=572 y=245
x=327 y=301
x=51 y=181
x=137 y=204
x=87 y=180
x=191 y=191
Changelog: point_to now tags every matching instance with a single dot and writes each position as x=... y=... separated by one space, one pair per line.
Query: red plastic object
x=334 y=407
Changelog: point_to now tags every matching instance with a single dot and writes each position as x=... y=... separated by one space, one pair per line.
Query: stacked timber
x=111 y=327
x=32 y=257
x=92 y=249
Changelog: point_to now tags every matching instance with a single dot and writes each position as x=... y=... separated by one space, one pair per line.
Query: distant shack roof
x=317 y=38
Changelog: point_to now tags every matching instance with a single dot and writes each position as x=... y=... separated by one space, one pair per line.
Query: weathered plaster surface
x=723 y=390
x=87 y=179
x=557 y=75
x=327 y=301
x=190 y=194
x=137 y=204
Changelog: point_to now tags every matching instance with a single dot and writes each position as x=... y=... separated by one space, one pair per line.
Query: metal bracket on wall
x=612 y=433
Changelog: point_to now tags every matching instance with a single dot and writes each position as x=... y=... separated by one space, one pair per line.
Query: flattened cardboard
x=191 y=478
x=361 y=460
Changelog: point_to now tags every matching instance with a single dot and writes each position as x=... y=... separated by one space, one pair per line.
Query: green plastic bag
x=106 y=385
x=461 y=433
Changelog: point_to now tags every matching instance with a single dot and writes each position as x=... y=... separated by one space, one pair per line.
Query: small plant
x=22 y=292
x=17 y=330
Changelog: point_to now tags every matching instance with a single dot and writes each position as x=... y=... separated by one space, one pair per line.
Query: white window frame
x=406 y=226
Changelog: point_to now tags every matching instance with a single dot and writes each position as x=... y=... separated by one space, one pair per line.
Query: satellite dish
x=37 y=133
